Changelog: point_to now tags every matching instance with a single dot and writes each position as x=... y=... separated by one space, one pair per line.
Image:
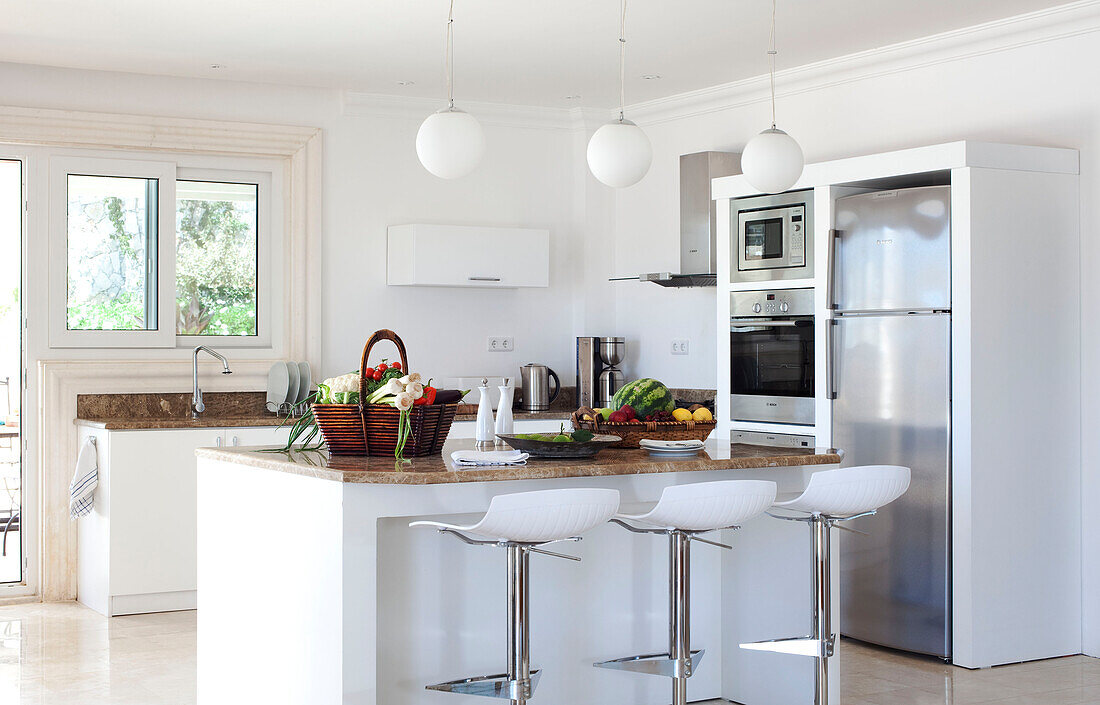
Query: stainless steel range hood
x=698 y=219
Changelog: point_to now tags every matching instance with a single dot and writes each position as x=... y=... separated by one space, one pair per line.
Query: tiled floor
x=64 y=654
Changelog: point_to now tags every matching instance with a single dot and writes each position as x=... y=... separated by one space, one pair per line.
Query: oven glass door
x=772 y=360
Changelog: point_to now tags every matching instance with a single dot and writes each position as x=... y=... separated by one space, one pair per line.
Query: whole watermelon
x=646 y=396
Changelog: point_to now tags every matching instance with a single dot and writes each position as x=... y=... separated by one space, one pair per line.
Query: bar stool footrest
x=799 y=646
x=653 y=664
x=494 y=686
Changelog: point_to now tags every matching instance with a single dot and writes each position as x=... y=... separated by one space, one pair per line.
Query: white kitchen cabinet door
x=137 y=551
x=153 y=511
x=467 y=256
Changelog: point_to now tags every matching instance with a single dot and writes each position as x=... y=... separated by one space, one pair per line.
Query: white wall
x=1037 y=94
x=372 y=179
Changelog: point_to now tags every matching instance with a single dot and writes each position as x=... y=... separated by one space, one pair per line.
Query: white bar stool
x=831 y=497
x=684 y=512
x=521 y=523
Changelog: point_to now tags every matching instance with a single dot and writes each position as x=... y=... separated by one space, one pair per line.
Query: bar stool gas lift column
x=832 y=497
x=682 y=513
x=522 y=523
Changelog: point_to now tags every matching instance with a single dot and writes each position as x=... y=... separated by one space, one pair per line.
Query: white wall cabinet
x=136 y=550
x=467 y=256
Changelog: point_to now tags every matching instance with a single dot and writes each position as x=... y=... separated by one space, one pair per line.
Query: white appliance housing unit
x=467 y=256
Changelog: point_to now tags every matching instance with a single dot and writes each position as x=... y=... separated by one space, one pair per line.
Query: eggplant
x=450 y=396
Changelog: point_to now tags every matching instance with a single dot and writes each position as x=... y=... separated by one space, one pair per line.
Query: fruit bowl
x=560 y=449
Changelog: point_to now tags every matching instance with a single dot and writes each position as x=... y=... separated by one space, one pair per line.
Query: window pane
x=216 y=226
x=112 y=239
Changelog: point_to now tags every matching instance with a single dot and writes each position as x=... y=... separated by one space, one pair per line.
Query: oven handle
x=768 y=323
x=830 y=355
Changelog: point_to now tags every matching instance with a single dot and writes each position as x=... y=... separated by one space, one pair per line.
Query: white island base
x=314 y=590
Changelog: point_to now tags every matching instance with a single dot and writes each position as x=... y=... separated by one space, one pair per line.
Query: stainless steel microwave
x=773 y=237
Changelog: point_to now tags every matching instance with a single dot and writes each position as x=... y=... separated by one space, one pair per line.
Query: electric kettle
x=534 y=382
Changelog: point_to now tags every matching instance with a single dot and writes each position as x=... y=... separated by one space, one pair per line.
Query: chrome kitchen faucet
x=197 y=407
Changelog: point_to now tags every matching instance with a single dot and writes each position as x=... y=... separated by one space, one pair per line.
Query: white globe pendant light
x=772 y=161
x=619 y=153
x=450 y=143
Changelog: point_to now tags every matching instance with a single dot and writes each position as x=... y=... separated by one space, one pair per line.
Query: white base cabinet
x=137 y=549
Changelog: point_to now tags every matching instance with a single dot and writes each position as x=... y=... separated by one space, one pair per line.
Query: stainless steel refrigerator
x=890 y=380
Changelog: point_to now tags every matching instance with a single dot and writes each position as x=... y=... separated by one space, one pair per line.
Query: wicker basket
x=632 y=433
x=371 y=429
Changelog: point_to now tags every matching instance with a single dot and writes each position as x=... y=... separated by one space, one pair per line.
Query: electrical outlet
x=679 y=346
x=500 y=343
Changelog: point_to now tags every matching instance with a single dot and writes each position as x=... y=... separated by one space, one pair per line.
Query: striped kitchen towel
x=85 y=480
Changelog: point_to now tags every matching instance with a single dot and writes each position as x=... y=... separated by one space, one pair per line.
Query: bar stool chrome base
x=680 y=662
x=520 y=681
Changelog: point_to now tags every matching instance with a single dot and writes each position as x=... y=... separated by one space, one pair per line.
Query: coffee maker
x=598 y=377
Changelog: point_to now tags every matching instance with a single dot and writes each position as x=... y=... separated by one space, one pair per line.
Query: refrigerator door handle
x=830 y=362
x=830 y=284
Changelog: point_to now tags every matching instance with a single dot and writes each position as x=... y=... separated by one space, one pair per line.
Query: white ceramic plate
x=292 y=388
x=278 y=383
x=651 y=444
x=305 y=381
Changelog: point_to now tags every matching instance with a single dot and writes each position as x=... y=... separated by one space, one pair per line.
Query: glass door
x=11 y=372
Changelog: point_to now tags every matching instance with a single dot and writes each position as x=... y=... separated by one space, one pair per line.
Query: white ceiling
x=507 y=51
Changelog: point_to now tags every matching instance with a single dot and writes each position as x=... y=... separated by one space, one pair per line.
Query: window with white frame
x=161 y=254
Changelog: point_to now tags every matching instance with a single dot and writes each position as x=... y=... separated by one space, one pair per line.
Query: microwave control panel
x=798 y=236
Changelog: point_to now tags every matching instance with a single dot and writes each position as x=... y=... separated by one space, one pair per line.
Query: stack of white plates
x=288 y=383
x=671 y=449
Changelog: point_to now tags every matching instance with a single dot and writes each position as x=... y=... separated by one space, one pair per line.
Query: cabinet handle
x=483 y=279
x=236 y=441
x=218 y=441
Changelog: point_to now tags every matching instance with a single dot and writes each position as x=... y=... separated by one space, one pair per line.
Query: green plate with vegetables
x=577 y=444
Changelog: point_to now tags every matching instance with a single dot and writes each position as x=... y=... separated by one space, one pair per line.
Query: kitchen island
x=313 y=589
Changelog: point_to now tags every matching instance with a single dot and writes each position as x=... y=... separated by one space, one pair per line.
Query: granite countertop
x=435 y=470
x=129 y=412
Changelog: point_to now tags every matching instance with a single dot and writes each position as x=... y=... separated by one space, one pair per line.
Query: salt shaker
x=484 y=435
x=504 y=425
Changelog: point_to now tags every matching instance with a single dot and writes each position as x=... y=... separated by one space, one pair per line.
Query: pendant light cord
x=448 y=56
x=622 y=62
x=771 y=53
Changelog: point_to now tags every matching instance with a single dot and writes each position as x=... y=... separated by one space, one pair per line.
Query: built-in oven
x=772 y=356
x=773 y=237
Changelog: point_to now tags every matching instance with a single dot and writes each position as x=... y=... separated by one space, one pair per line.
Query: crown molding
x=72 y=128
x=1045 y=25
x=1059 y=22
x=498 y=114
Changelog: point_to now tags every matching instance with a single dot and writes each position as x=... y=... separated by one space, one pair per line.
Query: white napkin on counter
x=471 y=458
x=84 y=482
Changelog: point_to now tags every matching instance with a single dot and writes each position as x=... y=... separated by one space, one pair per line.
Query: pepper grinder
x=484 y=435
x=504 y=425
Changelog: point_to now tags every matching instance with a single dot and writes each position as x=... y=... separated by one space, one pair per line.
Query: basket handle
x=379 y=336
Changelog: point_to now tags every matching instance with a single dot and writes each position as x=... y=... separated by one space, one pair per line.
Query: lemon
x=681 y=414
x=702 y=414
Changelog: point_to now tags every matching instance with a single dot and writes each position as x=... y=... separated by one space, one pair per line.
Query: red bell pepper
x=428 y=397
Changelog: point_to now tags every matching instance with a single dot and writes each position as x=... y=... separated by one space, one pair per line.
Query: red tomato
x=382 y=367
x=376 y=375
x=396 y=365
